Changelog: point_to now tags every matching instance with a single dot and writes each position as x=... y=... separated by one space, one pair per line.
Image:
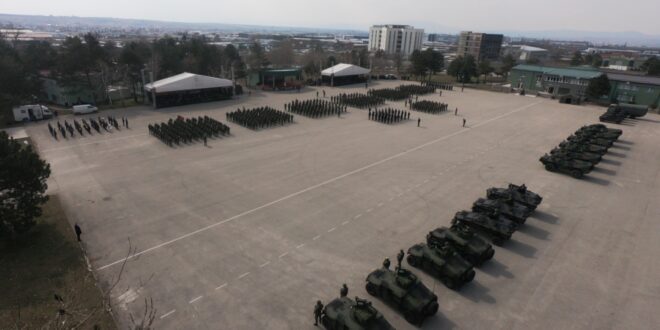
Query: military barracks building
x=558 y=82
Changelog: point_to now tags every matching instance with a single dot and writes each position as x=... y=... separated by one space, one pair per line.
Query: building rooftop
x=648 y=80
x=577 y=72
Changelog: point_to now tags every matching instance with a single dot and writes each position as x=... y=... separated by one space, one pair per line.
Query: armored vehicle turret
x=473 y=247
x=519 y=194
x=593 y=148
x=348 y=314
x=597 y=131
x=502 y=207
x=499 y=231
x=573 y=167
x=442 y=262
x=403 y=290
x=583 y=138
x=583 y=156
x=604 y=128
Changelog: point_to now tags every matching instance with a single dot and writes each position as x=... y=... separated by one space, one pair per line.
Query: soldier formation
x=429 y=107
x=315 y=108
x=439 y=85
x=403 y=92
x=417 y=89
x=69 y=130
x=389 y=115
x=358 y=100
x=258 y=118
x=180 y=130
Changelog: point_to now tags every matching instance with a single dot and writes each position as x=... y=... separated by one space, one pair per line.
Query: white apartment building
x=392 y=39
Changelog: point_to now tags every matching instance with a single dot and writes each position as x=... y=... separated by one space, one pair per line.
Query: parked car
x=84 y=108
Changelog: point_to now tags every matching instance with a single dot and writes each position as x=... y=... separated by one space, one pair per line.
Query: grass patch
x=44 y=262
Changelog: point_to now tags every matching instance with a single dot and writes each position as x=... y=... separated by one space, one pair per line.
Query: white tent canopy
x=186 y=81
x=343 y=69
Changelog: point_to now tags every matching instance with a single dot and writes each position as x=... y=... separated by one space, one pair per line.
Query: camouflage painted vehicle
x=498 y=231
x=583 y=156
x=519 y=194
x=600 y=132
x=594 y=134
x=581 y=148
x=593 y=148
x=573 y=167
x=473 y=247
x=591 y=140
x=442 y=262
x=347 y=314
x=603 y=128
x=502 y=207
x=403 y=290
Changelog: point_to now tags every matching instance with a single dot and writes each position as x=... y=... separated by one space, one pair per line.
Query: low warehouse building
x=344 y=74
x=189 y=88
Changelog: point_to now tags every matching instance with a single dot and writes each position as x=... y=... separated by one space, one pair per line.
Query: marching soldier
x=318 y=312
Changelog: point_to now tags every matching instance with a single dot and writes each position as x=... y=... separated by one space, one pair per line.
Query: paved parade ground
x=251 y=230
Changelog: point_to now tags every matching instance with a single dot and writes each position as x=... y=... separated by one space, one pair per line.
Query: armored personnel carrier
x=502 y=207
x=598 y=131
x=593 y=148
x=583 y=156
x=443 y=262
x=581 y=148
x=347 y=314
x=573 y=167
x=604 y=128
x=519 y=194
x=499 y=231
x=585 y=138
x=473 y=247
x=403 y=290
x=594 y=134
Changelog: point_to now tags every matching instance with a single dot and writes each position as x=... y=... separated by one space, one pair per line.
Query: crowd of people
x=417 y=89
x=186 y=130
x=258 y=118
x=391 y=94
x=316 y=108
x=429 y=107
x=358 y=100
x=439 y=85
x=389 y=115
x=70 y=130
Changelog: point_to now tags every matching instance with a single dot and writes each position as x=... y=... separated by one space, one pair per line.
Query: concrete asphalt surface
x=248 y=232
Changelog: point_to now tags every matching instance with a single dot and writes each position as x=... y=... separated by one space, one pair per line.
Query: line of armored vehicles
x=449 y=255
x=580 y=152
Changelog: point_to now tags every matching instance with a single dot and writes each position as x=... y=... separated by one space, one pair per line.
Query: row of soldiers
x=358 y=100
x=417 y=89
x=391 y=94
x=389 y=115
x=430 y=107
x=439 y=85
x=180 y=130
x=257 y=118
x=315 y=108
x=95 y=124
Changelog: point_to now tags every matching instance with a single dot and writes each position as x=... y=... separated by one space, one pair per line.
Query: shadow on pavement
x=604 y=171
x=624 y=142
x=438 y=321
x=535 y=232
x=520 y=248
x=649 y=120
x=615 y=146
x=495 y=268
x=616 y=154
x=476 y=293
x=610 y=161
x=545 y=217
x=598 y=181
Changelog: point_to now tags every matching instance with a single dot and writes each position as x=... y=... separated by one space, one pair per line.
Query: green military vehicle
x=519 y=194
x=498 y=230
x=584 y=145
x=502 y=207
x=573 y=167
x=347 y=314
x=473 y=247
x=443 y=262
x=601 y=131
x=583 y=156
x=403 y=290
x=584 y=137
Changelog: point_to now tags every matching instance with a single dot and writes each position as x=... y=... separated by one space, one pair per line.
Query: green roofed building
x=573 y=81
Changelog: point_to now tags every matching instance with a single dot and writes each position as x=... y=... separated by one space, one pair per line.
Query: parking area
x=251 y=230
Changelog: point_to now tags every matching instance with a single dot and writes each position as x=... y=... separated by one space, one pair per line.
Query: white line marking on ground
x=318 y=185
x=264 y=264
x=243 y=275
x=417 y=185
x=391 y=198
x=399 y=194
x=283 y=255
x=332 y=229
x=369 y=210
x=357 y=216
x=299 y=246
x=316 y=237
x=222 y=286
x=426 y=181
x=167 y=314
x=380 y=204
x=198 y=298
x=344 y=223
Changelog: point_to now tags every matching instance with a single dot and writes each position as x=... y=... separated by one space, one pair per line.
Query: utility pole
x=153 y=90
x=144 y=96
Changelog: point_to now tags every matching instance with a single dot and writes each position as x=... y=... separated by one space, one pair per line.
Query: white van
x=31 y=112
x=84 y=108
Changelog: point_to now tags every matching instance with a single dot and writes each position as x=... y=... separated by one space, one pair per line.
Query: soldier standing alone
x=78 y=231
x=343 y=292
x=318 y=312
x=419 y=121
x=399 y=258
x=464 y=121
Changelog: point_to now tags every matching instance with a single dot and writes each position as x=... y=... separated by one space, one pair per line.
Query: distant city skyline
x=432 y=15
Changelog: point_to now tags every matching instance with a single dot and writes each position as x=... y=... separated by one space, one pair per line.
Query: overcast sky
x=433 y=15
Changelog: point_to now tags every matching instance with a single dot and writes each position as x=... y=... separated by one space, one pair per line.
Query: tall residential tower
x=393 y=39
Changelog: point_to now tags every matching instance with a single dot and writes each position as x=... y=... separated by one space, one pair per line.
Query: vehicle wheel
x=490 y=254
x=372 y=289
x=432 y=308
x=470 y=276
x=412 y=318
x=498 y=241
x=451 y=283
x=549 y=168
x=412 y=260
x=577 y=174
